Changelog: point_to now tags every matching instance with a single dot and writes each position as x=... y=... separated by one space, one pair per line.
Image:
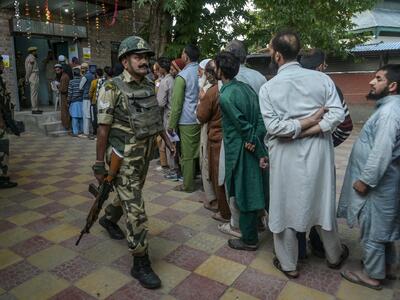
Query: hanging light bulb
x=28 y=15
x=47 y=12
x=17 y=14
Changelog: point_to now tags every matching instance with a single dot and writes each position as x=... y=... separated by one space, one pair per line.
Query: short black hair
x=99 y=72
x=238 y=48
x=108 y=70
x=228 y=63
x=193 y=52
x=392 y=74
x=312 y=59
x=165 y=63
x=287 y=43
x=76 y=72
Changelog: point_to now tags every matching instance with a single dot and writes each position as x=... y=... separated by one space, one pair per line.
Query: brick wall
x=7 y=48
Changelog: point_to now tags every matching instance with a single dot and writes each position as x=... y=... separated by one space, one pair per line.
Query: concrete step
x=52 y=127
x=37 y=123
x=57 y=133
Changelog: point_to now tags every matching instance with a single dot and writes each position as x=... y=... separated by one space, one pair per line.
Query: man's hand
x=264 y=162
x=99 y=171
x=317 y=116
x=250 y=147
x=361 y=188
x=100 y=178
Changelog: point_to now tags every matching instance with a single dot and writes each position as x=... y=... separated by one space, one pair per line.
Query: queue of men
x=268 y=148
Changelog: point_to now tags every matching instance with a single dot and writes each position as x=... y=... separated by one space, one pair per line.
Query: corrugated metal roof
x=379 y=17
x=378 y=47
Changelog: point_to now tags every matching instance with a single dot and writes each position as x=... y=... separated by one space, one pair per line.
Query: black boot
x=5 y=183
x=143 y=272
x=112 y=228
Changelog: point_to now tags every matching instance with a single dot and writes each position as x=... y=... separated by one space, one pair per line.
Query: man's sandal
x=354 y=278
x=288 y=274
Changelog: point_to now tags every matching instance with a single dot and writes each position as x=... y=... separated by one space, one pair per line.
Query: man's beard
x=383 y=94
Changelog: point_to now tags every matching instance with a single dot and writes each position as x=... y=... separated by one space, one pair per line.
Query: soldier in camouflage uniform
x=132 y=138
x=4 y=141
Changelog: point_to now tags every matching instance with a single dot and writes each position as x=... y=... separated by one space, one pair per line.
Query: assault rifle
x=101 y=194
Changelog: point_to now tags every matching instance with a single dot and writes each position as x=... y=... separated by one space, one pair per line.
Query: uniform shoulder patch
x=109 y=85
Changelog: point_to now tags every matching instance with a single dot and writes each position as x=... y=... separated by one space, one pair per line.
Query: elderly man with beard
x=300 y=109
x=371 y=188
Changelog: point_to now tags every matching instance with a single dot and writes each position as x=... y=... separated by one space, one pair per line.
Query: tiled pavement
x=41 y=219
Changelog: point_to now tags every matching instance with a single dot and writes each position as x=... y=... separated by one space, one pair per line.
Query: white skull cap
x=61 y=58
x=204 y=62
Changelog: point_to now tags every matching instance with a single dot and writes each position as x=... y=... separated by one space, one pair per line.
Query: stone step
x=57 y=133
x=52 y=127
x=38 y=123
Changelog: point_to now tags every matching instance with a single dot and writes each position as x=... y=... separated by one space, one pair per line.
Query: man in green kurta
x=245 y=154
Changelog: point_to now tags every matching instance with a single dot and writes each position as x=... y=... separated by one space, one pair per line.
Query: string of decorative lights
x=87 y=20
x=74 y=20
x=17 y=14
x=133 y=17
x=38 y=12
x=28 y=16
x=47 y=12
x=61 y=24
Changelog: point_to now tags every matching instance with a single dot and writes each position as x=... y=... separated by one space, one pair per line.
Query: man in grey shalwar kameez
x=302 y=175
x=371 y=188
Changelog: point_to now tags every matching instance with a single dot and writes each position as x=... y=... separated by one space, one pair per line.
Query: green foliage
x=320 y=23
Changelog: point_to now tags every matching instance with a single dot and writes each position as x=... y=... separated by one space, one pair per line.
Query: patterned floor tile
x=233 y=294
x=74 y=269
x=195 y=222
x=25 y=217
x=259 y=285
x=106 y=251
x=16 y=274
x=31 y=246
x=51 y=208
x=72 y=293
x=171 y=215
x=5 y=225
x=160 y=247
x=186 y=206
x=36 y=202
x=241 y=257
x=198 y=287
x=164 y=270
x=160 y=188
x=206 y=242
x=73 y=200
x=22 y=197
x=220 y=269
x=153 y=209
x=40 y=287
x=102 y=282
x=263 y=263
x=60 y=233
x=87 y=241
x=157 y=225
x=8 y=258
x=133 y=290
x=11 y=210
x=44 y=190
x=319 y=277
x=178 y=233
x=166 y=200
x=186 y=258
x=13 y=236
x=123 y=264
x=43 y=224
x=51 y=257
x=70 y=215
x=293 y=290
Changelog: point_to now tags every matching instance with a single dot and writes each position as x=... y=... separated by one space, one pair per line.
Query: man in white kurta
x=302 y=177
x=371 y=188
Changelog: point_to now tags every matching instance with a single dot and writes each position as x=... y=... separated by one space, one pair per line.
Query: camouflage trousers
x=4 y=152
x=129 y=200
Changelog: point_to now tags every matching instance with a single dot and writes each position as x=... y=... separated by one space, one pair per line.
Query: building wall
x=7 y=48
x=355 y=86
x=100 y=41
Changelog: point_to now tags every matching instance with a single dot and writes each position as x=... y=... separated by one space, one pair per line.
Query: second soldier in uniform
x=129 y=120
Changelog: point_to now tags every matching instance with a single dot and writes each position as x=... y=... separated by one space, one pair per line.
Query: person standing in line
x=245 y=153
x=66 y=67
x=84 y=85
x=255 y=79
x=75 y=97
x=209 y=112
x=48 y=65
x=371 y=188
x=315 y=59
x=183 y=116
x=32 y=78
x=300 y=109
x=63 y=79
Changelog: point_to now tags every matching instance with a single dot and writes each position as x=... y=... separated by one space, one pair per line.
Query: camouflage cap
x=134 y=44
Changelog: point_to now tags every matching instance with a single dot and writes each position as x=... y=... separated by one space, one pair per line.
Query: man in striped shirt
x=315 y=60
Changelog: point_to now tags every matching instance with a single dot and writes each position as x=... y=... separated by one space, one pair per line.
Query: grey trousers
x=205 y=173
x=287 y=250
